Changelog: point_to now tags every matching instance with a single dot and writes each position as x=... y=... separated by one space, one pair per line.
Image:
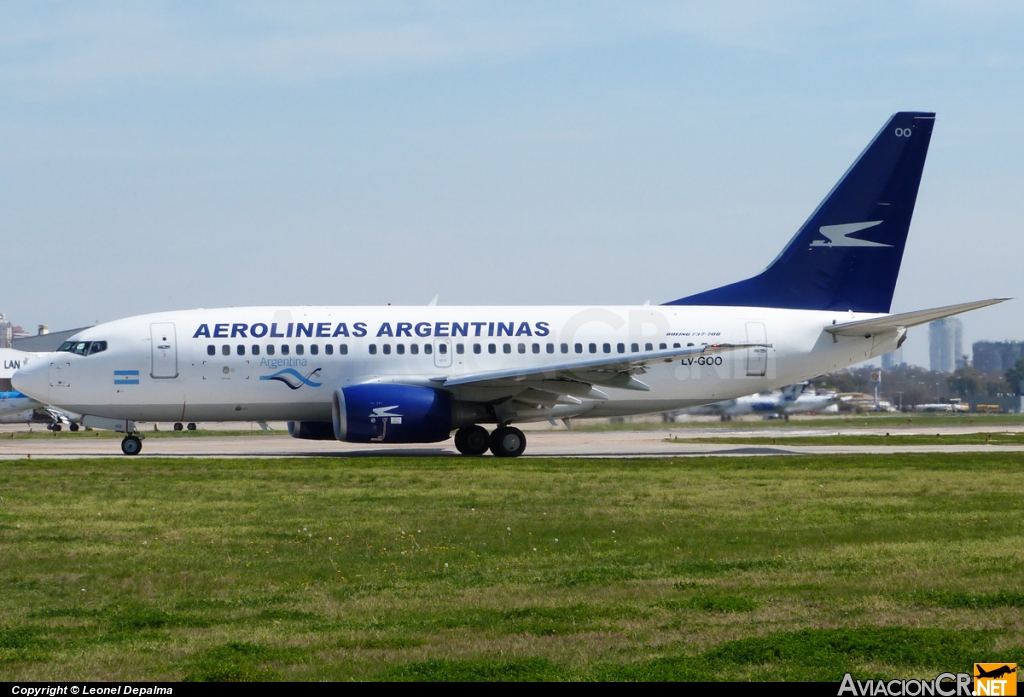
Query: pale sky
x=161 y=156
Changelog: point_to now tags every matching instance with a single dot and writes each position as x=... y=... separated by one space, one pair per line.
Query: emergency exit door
x=165 y=350
x=442 y=353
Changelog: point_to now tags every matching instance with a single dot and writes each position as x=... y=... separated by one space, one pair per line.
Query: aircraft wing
x=903 y=320
x=611 y=371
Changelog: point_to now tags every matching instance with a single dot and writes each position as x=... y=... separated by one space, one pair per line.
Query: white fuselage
x=283 y=363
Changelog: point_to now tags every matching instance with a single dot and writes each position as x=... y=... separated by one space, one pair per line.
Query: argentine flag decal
x=126 y=377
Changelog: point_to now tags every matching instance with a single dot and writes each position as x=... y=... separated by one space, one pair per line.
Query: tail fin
x=847 y=255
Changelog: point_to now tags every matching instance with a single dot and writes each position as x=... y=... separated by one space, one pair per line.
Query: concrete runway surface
x=541 y=443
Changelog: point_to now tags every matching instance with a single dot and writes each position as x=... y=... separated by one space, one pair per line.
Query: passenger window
x=240 y=350
x=607 y=348
x=578 y=348
x=621 y=348
x=593 y=348
x=428 y=349
x=299 y=349
x=522 y=348
x=373 y=349
x=460 y=349
x=634 y=347
x=226 y=350
x=400 y=349
x=387 y=349
x=648 y=347
x=551 y=348
x=491 y=348
x=414 y=349
x=676 y=346
x=211 y=350
x=255 y=349
x=507 y=348
x=662 y=347
x=476 y=348
x=270 y=349
x=329 y=349
x=442 y=348
x=690 y=344
x=314 y=350
x=343 y=349
x=284 y=349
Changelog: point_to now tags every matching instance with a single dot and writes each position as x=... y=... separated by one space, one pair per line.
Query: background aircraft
x=793 y=399
x=18 y=408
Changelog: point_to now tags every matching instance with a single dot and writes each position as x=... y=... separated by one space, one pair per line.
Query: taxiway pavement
x=540 y=444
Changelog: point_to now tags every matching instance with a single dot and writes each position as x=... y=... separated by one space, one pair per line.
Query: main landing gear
x=505 y=441
x=131 y=445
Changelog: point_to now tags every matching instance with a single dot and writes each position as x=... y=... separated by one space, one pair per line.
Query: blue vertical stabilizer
x=847 y=255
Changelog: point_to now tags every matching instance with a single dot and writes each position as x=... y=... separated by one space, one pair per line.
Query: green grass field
x=425 y=569
x=866 y=439
x=881 y=420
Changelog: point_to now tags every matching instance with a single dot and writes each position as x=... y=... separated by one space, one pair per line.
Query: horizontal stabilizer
x=904 y=320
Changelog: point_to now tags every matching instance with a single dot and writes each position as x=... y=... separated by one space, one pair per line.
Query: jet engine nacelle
x=384 y=413
x=311 y=430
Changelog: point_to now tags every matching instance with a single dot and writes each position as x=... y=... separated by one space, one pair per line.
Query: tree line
x=909 y=385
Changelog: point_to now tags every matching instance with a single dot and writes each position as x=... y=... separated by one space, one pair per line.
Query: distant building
x=946 y=344
x=892 y=359
x=6 y=332
x=996 y=356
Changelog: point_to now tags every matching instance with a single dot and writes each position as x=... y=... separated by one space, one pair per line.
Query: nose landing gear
x=131 y=445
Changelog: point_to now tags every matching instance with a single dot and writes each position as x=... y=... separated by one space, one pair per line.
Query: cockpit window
x=83 y=348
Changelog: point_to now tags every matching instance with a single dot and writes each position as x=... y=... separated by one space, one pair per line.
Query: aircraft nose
x=33 y=379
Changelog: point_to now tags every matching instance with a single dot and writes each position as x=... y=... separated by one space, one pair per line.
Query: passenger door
x=165 y=350
x=757 y=358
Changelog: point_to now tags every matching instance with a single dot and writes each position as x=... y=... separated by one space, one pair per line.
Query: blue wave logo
x=293 y=378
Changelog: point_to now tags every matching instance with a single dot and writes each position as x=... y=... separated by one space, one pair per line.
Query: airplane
x=380 y=375
x=995 y=672
x=792 y=399
x=19 y=408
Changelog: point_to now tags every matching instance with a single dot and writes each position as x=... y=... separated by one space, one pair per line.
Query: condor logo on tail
x=839 y=235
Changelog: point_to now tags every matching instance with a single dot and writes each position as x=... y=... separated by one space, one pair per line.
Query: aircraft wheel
x=55 y=427
x=73 y=428
x=131 y=445
x=191 y=427
x=508 y=441
x=472 y=440
x=178 y=426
